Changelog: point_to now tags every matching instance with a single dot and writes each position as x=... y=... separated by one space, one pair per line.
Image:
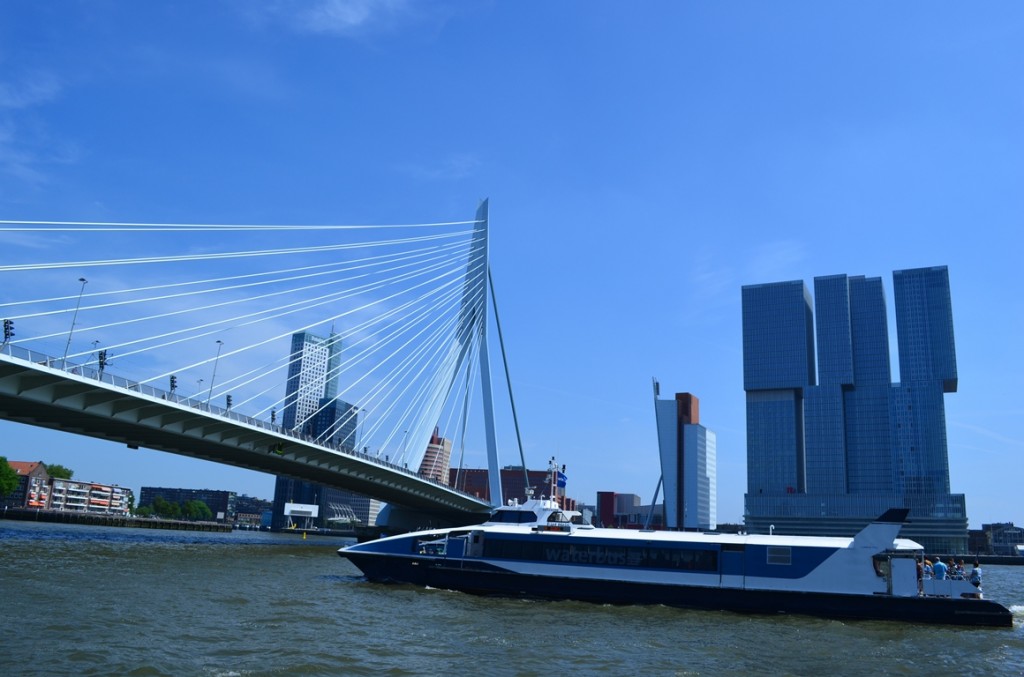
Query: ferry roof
x=693 y=537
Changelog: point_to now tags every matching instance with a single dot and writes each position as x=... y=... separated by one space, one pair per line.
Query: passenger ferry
x=538 y=550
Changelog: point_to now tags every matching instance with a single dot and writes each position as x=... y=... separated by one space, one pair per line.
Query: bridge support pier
x=393 y=520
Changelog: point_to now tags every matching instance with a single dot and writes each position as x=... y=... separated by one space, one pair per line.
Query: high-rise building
x=435 y=461
x=687 y=464
x=833 y=443
x=312 y=407
x=312 y=377
x=334 y=423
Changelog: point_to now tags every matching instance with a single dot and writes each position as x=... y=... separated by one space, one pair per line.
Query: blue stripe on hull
x=490 y=580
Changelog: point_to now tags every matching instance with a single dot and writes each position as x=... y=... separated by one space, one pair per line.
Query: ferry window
x=429 y=546
x=557 y=517
x=513 y=516
x=780 y=555
x=678 y=559
x=881 y=564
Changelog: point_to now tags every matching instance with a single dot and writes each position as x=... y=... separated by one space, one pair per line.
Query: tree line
x=187 y=510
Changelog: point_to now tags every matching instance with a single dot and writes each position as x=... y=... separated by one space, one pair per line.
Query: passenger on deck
x=976 y=575
x=940 y=569
x=929 y=572
x=961 y=572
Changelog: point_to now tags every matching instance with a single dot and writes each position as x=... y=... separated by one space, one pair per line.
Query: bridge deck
x=36 y=391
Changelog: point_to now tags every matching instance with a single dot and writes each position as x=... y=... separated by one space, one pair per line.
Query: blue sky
x=643 y=162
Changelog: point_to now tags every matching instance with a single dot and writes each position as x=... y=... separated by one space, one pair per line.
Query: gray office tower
x=688 y=464
x=829 y=451
x=312 y=407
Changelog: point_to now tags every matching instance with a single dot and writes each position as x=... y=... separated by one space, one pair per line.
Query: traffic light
x=228 y=399
x=174 y=382
x=102 y=356
x=273 y=416
x=8 y=330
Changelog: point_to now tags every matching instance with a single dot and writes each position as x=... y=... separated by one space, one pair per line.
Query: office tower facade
x=436 y=459
x=312 y=378
x=688 y=464
x=832 y=442
x=312 y=407
x=334 y=424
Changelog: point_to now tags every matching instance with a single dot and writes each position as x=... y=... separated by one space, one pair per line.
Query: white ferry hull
x=532 y=550
x=488 y=580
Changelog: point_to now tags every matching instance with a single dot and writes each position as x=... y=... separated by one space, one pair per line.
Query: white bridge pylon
x=471 y=342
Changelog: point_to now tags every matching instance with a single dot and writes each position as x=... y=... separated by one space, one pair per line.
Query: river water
x=79 y=600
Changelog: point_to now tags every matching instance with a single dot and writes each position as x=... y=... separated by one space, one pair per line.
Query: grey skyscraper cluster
x=832 y=442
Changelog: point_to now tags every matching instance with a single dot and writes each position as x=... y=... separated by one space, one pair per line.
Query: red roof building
x=33 y=486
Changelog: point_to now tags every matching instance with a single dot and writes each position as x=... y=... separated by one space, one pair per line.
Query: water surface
x=112 y=601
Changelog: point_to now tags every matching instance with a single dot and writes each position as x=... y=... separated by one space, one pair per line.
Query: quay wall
x=67 y=517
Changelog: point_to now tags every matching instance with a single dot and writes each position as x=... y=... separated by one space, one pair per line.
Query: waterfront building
x=832 y=442
x=338 y=508
x=627 y=511
x=514 y=482
x=249 y=511
x=36 y=489
x=435 y=462
x=312 y=407
x=220 y=503
x=1004 y=538
x=688 y=463
x=91 y=497
x=605 y=516
x=33 y=490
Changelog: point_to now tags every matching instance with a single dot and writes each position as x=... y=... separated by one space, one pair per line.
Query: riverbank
x=67 y=517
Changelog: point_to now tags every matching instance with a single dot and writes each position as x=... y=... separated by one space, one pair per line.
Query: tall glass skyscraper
x=688 y=464
x=312 y=407
x=312 y=376
x=827 y=452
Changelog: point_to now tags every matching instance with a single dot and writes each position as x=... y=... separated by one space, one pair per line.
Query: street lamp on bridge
x=74 y=318
x=220 y=344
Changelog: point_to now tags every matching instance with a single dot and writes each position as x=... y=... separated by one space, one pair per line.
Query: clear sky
x=643 y=162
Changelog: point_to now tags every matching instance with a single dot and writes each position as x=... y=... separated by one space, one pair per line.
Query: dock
x=103 y=520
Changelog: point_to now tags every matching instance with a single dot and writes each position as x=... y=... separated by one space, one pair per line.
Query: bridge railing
x=94 y=372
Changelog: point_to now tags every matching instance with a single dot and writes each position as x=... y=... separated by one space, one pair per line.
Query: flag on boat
x=561 y=480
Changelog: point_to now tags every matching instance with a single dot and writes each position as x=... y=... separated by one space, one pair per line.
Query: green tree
x=59 y=471
x=144 y=511
x=204 y=511
x=161 y=507
x=196 y=510
x=8 y=478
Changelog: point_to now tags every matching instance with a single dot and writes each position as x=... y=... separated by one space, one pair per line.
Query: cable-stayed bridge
x=194 y=351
